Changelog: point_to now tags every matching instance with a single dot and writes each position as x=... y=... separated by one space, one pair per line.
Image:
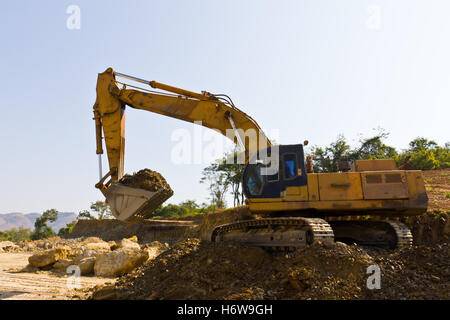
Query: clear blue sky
x=312 y=69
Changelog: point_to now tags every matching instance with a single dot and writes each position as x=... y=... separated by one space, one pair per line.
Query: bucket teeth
x=146 y=210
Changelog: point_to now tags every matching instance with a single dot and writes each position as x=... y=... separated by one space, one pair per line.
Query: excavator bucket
x=134 y=204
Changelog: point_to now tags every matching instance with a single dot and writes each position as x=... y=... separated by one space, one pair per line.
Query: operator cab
x=268 y=177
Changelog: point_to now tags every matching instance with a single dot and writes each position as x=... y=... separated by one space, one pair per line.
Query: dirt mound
x=146 y=179
x=195 y=269
x=417 y=272
x=431 y=227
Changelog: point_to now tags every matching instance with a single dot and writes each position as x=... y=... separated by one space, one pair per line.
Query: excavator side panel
x=384 y=185
x=417 y=193
x=313 y=187
x=340 y=186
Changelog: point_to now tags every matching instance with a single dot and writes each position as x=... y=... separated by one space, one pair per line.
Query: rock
x=48 y=257
x=87 y=265
x=119 y=262
x=98 y=246
x=104 y=293
x=62 y=264
x=128 y=244
x=88 y=254
x=92 y=240
x=153 y=252
x=8 y=246
x=113 y=245
x=154 y=249
x=29 y=246
x=133 y=238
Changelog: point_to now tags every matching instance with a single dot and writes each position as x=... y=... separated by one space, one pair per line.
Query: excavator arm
x=206 y=109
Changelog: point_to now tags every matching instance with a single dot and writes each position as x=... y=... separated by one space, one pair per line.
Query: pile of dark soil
x=429 y=228
x=199 y=270
x=146 y=179
x=418 y=272
x=195 y=269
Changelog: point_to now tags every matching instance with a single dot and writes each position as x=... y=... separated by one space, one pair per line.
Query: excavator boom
x=206 y=109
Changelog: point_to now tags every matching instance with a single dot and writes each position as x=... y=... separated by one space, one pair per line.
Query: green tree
x=424 y=154
x=101 y=208
x=67 y=229
x=85 y=214
x=327 y=159
x=223 y=175
x=218 y=183
x=374 y=148
x=41 y=229
x=185 y=208
x=189 y=204
x=15 y=235
x=421 y=143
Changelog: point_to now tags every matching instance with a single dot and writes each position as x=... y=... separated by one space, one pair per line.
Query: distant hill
x=17 y=219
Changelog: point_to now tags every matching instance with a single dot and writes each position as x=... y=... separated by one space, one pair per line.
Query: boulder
x=30 y=246
x=119 y=262
x=92 y=240
x=62 y=264
x=154 y=249
x=87 y=265
x=7 y=246
x=48 y=257
x=96 y=246
x=113 y=245
x=133 y=238
x=88 y=254
x=129 y=244
x=153 y=252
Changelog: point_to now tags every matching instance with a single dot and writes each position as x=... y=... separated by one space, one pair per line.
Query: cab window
x=254 y=180
x=290 y=166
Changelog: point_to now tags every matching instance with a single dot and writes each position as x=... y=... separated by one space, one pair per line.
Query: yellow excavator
x=296 y=206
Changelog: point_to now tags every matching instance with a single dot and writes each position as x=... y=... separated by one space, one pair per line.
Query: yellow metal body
x=386 y=193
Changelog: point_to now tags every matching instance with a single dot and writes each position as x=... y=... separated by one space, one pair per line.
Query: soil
x=434 y=225
x=146 y=179
x=437 y=183
x=195 y=269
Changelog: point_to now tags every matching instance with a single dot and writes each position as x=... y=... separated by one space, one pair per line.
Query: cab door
x=291 y=172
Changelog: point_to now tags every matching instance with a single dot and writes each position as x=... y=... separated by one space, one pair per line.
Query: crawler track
x=387 y=234
x=404 y=235
x=292 y=232
x=276 y=232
